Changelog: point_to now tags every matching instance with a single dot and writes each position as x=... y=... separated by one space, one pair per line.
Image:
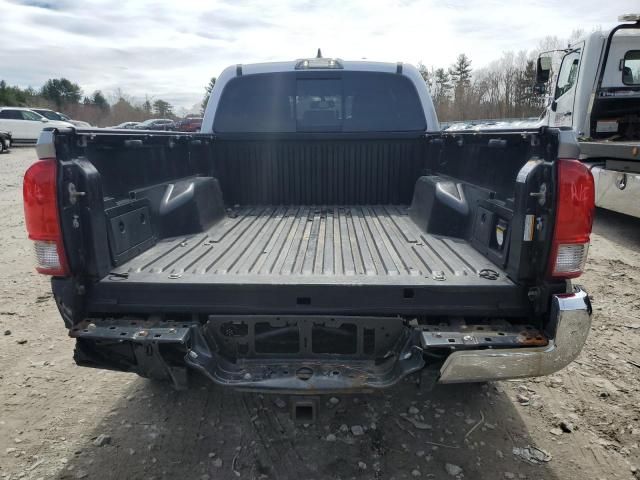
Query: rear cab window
x=319 y=102
x=631 y=68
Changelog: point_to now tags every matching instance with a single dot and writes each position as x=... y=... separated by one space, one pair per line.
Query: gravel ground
x=62 y=421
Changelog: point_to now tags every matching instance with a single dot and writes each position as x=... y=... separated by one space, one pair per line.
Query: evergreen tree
x=207 y=94
x=441 y=85
x=99 y=100
x=11 y=96
x=460 y=74
x=146 y=105
x=424 y=72
x=61 y=92
x=162 y=109
x=460 y=71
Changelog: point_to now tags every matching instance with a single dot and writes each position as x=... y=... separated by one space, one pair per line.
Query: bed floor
x=324 y=244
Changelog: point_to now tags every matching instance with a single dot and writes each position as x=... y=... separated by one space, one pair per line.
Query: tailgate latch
x=74 y=193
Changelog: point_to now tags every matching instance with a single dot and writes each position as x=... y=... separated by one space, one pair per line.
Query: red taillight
x=41 y=217
x=574 y=218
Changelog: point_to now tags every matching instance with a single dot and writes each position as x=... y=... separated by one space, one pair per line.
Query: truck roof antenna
x=319 y=55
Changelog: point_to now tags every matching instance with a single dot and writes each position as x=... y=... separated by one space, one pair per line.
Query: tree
x=460 y=74
x=207 y=94
x=61 y=92
x=146 y=105
x=424 y=72
x=94 y=108
x=441 y=86
x=99 y=100
x=162 y=108
x=460 y=71
x=11 y=96
x=123 y=111
x=529 y=102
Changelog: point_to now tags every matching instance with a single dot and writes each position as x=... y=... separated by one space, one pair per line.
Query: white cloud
x=169 y=49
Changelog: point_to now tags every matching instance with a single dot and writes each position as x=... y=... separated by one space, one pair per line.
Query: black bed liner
x=287 y=258
x=367 y=244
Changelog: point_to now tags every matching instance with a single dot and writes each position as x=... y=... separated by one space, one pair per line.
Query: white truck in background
x=597 y=93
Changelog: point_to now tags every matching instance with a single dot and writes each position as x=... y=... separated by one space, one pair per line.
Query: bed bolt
x=439 y=276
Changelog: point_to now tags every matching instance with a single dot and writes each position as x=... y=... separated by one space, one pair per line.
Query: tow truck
x=597 y=93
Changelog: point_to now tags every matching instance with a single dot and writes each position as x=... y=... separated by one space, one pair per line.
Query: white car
x=61 y=117
x=25 y=125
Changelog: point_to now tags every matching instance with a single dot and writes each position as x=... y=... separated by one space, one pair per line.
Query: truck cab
x=597 y=93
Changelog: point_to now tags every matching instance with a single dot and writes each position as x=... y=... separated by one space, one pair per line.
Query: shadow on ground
x=214 y=433
x=620 y=229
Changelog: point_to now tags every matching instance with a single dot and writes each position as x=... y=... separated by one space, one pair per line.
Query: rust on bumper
x=571 y=314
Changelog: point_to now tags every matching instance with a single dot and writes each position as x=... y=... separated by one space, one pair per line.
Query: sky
x=170 y=49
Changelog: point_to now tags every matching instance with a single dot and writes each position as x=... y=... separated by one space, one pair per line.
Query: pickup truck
x=319 y=234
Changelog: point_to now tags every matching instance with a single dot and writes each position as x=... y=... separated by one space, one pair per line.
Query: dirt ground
x=53 y=413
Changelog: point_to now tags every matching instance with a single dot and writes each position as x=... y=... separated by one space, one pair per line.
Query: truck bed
x=363 y=244
x=307 y=226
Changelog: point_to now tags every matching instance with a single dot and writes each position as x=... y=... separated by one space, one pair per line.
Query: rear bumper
x=167 y=349
x=571 y=314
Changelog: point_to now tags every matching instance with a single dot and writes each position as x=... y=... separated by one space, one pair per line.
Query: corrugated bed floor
x=271 y=243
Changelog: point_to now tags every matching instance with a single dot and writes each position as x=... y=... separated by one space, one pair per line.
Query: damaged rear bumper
x=235 y=351
x=357 y=353
x=571 y=317
x=307 y=375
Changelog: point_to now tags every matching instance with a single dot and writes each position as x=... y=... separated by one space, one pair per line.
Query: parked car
x=189 y=124
x=126 y=125
x=25 y=125
x=335 y=242
x=5 y=141
x=157 y=124
x=61 y=117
